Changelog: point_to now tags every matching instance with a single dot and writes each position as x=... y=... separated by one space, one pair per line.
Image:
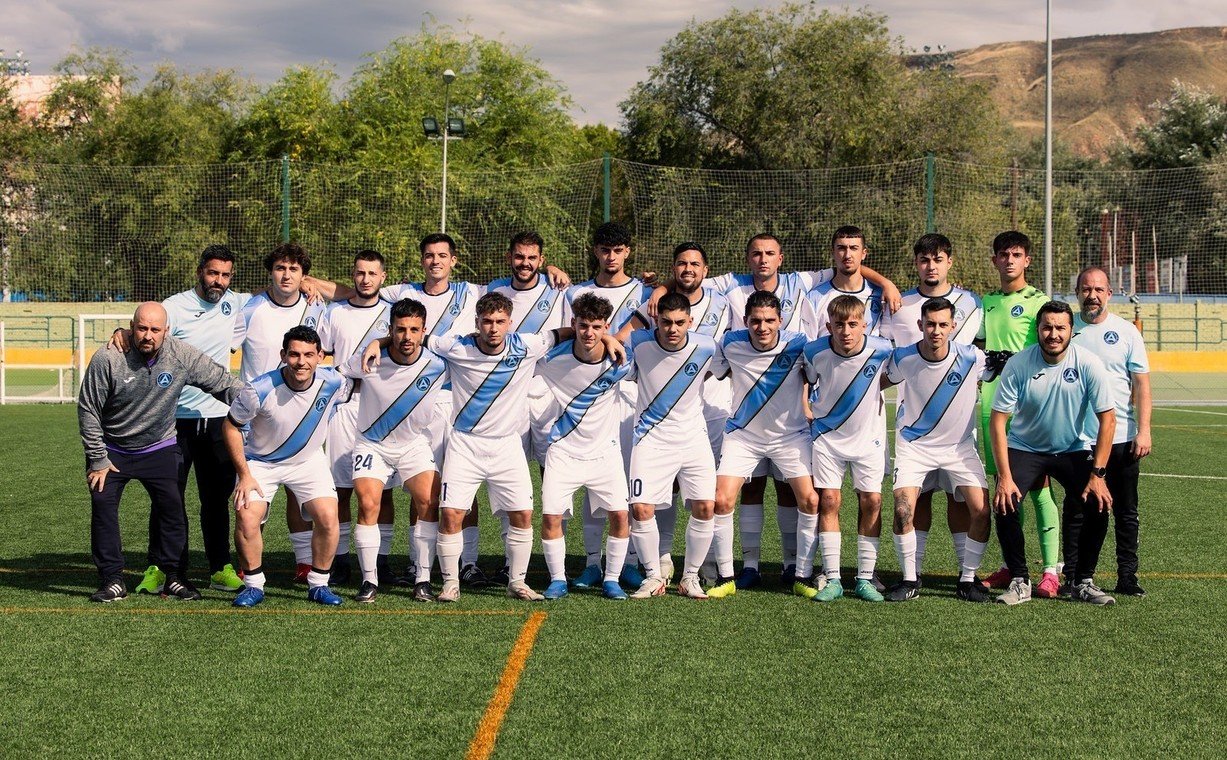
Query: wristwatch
x=1099 y=472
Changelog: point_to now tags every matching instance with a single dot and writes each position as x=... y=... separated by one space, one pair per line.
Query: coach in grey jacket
x=126 y=412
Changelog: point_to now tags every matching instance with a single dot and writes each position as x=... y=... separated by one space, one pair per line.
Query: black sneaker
x=1128 y=585
x=502 y=577
x=411 y=574
x=903 y=591
x=366 y=594
x=384 y=569
x=341 y=572
x=422 y=592
x=110 y=591
x=971 y=591
x=471 y=576
x=183 y=590
x=789 y=576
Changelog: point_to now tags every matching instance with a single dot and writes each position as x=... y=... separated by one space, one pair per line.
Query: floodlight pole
x=448 y=77
x=1048 y=249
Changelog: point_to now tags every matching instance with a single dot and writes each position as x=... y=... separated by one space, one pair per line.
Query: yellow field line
x=110 y=609
x=487 y=730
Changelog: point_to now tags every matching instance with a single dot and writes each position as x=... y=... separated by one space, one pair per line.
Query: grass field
x=762 y=674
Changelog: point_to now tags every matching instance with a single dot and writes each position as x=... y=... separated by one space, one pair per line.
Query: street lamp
x=449 y=129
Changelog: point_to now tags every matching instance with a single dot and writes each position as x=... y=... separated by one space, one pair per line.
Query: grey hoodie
x=128 y=403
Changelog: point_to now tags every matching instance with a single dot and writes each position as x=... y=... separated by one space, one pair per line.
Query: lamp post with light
x=450 y=129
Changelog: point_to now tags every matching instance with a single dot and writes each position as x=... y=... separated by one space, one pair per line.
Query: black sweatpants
x=158 y=473
x=1122 y=480
x=201 y=444
x=1083 y=526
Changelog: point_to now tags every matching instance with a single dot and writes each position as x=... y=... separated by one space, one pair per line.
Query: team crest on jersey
x=543 y=306
x=511 y=362
x=786 y=305
x=958 y=315
x=691 y=369
x=164 y=380
x=954 y=378
x=1016 y=311
x=870 y=370
x=319 y=405
x=455 y=309
x=603 y=384
x=423 y=383
x=1111 y=337
x=783 y=361
x=632 y=304
x=710 y=320
x=1070 y=375
x=310 y=322
x=383 y=326
x=226 y=309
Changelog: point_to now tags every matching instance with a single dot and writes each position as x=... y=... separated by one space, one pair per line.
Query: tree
x=1191 y=130
x=297 y=116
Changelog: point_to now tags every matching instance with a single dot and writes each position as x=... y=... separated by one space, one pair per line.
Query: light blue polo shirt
x=208 y=327
x=1118 y=344
x=1054 y=405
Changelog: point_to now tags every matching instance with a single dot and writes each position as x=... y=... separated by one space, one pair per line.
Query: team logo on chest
x=875 y=305
x=321 y=404
x=691 y=369
x=511 y=362
x=603 y=384
x=1111 y=337
x=954 y=378
x=786 y=305
x=226 y=309
x=423 y=383
x=543 y=306
x=1016 y=311
x=711 y=319
x=455 y=309
x=1070 y=375
x=383 y=326
x=958 y=315
x=783 y=361
x=870 y=370
x=164 y=380
x=632 y=304
x=310 y=322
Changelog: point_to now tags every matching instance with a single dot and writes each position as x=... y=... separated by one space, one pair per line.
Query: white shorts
x=440 y=426
x=602 y=477
x=654 y=468
x=536 y=442
x=742 y=455
x=947 y=467
x=385 y=463
x=627 y=397
x=342 y=428
x=868 y=467
x=498 y=462
x=309 y=480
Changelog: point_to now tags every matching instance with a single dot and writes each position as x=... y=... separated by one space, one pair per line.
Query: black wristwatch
x=1099 y=472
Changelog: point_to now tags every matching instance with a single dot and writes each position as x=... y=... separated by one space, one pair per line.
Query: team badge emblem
x=786 y=305
x=226 y=309
x=1070 y=375
x=632 y=304
x=543 y=306
x=870 y=370
x=310 y=322
x=511 y=362
x=383 y=326
x=783 y=361
x=164 y=380
x=1016 y=311
x=691 y=369
x=321 y=404
x=710 y=320
x=455 y=310
x=1111 y=337
x=954 y=378
x=423 y=383
x=875 y=305
x=958 y=315
x=603 y=384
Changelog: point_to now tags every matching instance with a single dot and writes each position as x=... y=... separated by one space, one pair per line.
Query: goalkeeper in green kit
x=1009 y=325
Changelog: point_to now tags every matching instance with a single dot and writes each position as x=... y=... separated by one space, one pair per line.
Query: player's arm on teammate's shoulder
x=211 y=377
x=892 y=299
x=317 y=289
x=639 y=320
x=559 y=279
x=370 y=356
x=657 y=293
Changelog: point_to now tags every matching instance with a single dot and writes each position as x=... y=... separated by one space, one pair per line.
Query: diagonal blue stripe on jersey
x=310 y=421
x=935 y=408
x=766 y=386
x=970 y=301
x=668 y=397
x=709 y=321
x=408 y=400
x=366 y=338
x=789 y=290
x=630 y=304
x=267 y=383
x=460 y=291
x=492 y=386
x=866 y=380
x=576 y=408
x=541 y=310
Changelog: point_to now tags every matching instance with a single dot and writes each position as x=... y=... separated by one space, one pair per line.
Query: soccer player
x=259 y=331
x=767 y=424
x=934 y=438
x=669 y=364
x=393 y=440
x=126 y=412
x=286 y=411
x=848 y=250
x=934 y=255
x=583 y=448
x=848 y=430
x=1119 y=345
x=1009 y=325
x=346 y=329
x=1054 y=390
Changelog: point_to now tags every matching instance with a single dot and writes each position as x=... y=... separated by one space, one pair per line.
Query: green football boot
x=226 y=579
x=832 y=591
x=864 y=590
x=152 y=582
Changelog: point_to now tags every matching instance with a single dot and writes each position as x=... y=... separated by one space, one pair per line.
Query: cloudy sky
x=597 y=49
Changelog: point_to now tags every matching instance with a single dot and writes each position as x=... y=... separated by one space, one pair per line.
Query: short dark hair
x=591 y=307
x=492 y=302
x=366 y=254
x=407 y=307
x=848 y=231
x=936 y=304
x=612 y=234
x=1055 y=307
x=215 y=252
x=673 y=302
x=301 y=333
x=291 y=252
x=528 y=237
x=437 y=237
x=763 y=236
x=1009 y=239
x=931 y=243
x=762 y=299
x=689 y=246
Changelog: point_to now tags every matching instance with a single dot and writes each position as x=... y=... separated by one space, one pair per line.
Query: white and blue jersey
x=397 y=402
x=790 y=287
x=489 y=391
x=286 y=426
x=584 y=413
x=452 y=312
x=939 y=404
x=822 y=295
x=1053 y=405
x=669 y=408
x=767 y=385
x=902 y=328
x=1119 y=345
x=346 y=330
x=261 y=327
x=846 y=395
x=534 y=310
x=625 y=299
x=208 y=327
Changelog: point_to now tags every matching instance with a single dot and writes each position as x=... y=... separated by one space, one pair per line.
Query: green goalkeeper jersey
x=1009 y=319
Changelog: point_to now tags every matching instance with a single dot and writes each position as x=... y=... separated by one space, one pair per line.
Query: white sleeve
x=245 y=406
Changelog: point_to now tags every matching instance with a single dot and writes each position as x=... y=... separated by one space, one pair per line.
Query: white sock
x=866 y=556
x=973 y=552
x=646 y=537
x=555 y=551
x=386 y=532
x=343 y=538
x=519 y=549
x=807 y=536
x=425 y=538
x=1050 y=569
x=960 y=541
x=449 y=547
x=666 y=523
x=698 y=541
x=471 y=538
x=787 y=518
x=594 y=531
x=922 y=539
x=301 y=541
x=315 y=580
x=907 y=552
x=750 y=520
x=830 y=544
x=722 y=545
x=615 y=557
x=254 y=580
x=367 y=541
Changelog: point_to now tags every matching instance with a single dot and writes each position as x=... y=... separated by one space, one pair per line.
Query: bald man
x=126 y=413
